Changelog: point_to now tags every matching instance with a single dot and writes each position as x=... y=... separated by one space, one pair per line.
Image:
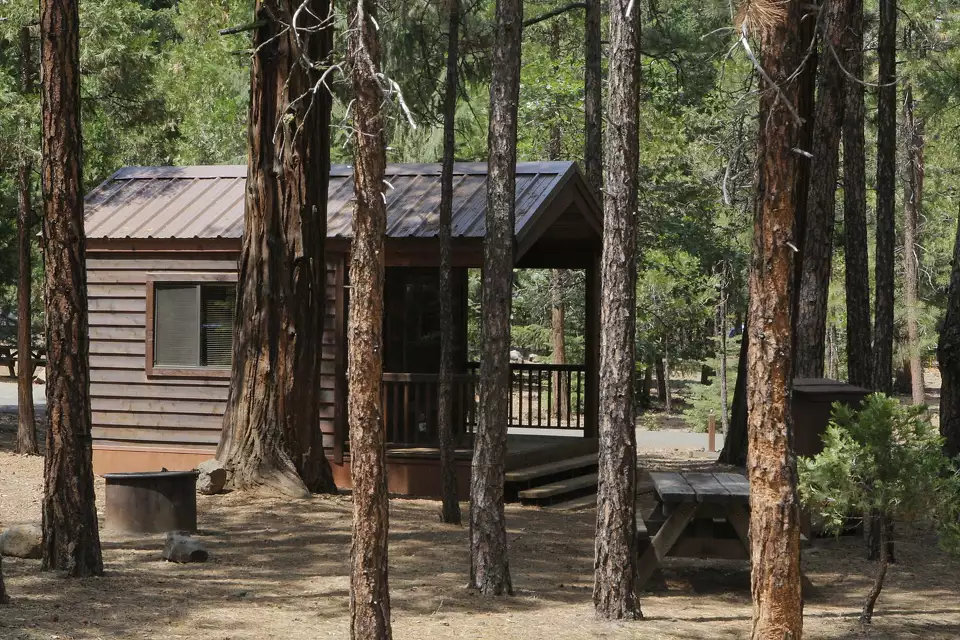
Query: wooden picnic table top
x=698 y=486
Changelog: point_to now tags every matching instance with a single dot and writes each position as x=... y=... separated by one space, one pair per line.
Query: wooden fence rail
x=543 y=396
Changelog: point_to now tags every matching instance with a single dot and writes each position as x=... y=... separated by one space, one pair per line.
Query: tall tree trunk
x=771 y=464
x=489 y=567
x=271 y=440
x=661 y=379
x=558 y=277
x=27 y=426
x=722 y=357
x=886 y=197
x=561 y=392
x=592 y=97
x=735 y=439
x=912 y=199
x=71 y=539
x=948 y=357
x=4 y=598
x=667 y=396
x=615 y=559
x=806 y=79
x=450 y=510
x=815 y=272
x=369 y=592
x=857 y=270
x=645 y=387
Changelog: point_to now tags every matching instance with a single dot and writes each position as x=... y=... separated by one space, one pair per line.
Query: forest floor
x=279 y=569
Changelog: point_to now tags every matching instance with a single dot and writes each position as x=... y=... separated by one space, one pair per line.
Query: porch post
x=591 y=345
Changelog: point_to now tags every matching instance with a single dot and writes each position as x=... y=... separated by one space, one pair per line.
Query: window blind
x=217 y=303
x=176 y=326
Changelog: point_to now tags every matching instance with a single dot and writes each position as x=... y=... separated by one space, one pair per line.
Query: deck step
x=583 y=502
x=559 y=488
x=550 y=468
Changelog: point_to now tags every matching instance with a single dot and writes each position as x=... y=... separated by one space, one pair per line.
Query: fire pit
x=152 y=502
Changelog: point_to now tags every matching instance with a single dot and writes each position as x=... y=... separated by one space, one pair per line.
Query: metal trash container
x=152 y=502
x=812 y=402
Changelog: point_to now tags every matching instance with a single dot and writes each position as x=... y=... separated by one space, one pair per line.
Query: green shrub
x=886 y=458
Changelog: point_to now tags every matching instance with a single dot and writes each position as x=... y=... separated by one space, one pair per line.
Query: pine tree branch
x=553 y=13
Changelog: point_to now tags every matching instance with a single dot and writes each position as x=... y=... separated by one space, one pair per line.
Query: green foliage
x=886 y=457
x=675 y=305
x=703 y=399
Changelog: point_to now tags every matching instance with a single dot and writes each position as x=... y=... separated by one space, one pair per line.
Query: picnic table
x=697 y=515
x=8 y=358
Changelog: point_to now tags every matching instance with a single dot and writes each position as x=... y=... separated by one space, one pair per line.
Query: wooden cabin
x=162 y=250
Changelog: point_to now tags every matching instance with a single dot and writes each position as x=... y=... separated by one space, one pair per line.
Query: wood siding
x=134 y=410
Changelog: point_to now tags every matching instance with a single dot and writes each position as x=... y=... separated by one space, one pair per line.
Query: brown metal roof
x=208 y=201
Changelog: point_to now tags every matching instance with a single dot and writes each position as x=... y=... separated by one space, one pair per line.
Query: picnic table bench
x=697 y=515
x=8 y=358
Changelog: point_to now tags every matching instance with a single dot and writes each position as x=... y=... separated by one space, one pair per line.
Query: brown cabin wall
x=143 y=422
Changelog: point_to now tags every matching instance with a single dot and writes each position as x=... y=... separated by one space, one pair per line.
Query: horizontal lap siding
x=131 y=410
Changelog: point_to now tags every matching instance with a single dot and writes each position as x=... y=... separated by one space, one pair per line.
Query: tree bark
x=771 y=464
x=4 y=598
x=489 y=566
x=912 y=199
x=26 y=426
x=818 y=229
x=661 y=379
x=735 y=439
x=857 y=270
x=369 y=592
x=71 y=539
x=592 y=97
x=667 y=396
x=948 y=357
x=271 y=440
x=450 y=509
x=645 y=387
x=558 y=277
x=866 y=614
x=806 y=79
x=886 y=197
x=722 y=358
x=615 y=559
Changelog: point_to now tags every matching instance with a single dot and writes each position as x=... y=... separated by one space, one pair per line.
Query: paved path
x=674 y=439
x=8 y=396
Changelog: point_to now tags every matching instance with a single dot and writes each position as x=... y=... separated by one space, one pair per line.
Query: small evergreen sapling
x=885 y=458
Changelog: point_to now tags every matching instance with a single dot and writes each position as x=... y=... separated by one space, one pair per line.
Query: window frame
x=183 y=278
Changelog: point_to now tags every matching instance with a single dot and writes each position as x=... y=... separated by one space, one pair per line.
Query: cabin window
x=193 y=325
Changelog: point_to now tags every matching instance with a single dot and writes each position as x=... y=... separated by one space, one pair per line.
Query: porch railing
x=410 y=407
x=543 y=396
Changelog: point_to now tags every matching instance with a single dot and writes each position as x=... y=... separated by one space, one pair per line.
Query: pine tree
x=450 y=510
x=774 y=505
x=270 y=439
x=857 y=270
x=26 y=427
x=615 y=557
x=811 y=324
x=369 y=590
x=489 y=565
x=71 y=538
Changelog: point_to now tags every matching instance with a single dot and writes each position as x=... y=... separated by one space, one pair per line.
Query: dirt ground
x=278 y=569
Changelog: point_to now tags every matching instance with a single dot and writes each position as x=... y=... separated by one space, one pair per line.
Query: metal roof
x=208 y=201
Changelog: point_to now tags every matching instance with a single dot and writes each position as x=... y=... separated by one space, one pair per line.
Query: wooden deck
x=415 y=471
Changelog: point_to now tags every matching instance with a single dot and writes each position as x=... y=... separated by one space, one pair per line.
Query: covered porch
x=553 y=408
